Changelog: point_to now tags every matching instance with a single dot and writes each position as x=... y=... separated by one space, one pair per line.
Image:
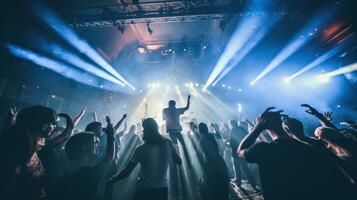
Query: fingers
x=107 y=119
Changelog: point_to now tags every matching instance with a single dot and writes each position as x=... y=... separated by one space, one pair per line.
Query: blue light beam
x=298 y=41
x=240 y=37
x=62 y=29
x=58 y=67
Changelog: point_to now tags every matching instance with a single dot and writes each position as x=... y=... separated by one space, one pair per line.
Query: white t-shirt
x=154 y=160
x=172 y=118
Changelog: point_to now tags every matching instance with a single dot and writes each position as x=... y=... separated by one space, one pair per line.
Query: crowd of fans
x=43 y=160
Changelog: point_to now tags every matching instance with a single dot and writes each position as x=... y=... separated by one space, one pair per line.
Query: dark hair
x=203 y=128
x=79 y=146
x=172 y=103
x=151 y=131
x=93 y=127
x=295 y=126
x=32 y=118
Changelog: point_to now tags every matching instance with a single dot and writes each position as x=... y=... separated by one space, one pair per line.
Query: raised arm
x=65 y=135
x=109 y=130
x=263 y=122
x=116 y=127
x=323 y=120
x=188 y=102
x=78 y=118
x=94 y=116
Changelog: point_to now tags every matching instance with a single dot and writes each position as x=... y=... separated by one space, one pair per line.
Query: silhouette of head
x=151 y=131
x=38 y=120
x=327 y=133
x=172 y=104
x=95 y=127
x=293 y=127
x=81 y=147
x=203 y=128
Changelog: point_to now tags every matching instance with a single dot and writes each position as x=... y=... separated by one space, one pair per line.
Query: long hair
x=151 y=131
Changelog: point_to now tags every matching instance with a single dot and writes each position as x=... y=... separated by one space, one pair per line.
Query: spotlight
x=191 y=84
x=196 y=84
x=61 y=28
x=223 y=85
x=297 y=42
x=240 y=108
x=240 y=90
x=286 y=80
x=229 y=87
x=150 y=85
x=323 y=78
x=187 y=85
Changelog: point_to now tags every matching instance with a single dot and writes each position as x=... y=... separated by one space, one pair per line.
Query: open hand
x=328 y=116
x=311 y=110
x=268 y=119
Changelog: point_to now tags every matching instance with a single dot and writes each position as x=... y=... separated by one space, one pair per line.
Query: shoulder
x=257 y=152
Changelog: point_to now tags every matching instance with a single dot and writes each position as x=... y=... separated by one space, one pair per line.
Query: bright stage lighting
x=241 y=36
x=56 y=66
x=63 y=30
x=191 y=84
x=240 y=108
x=322 y=79
x=298 y=41
x=74 y=60
x=343 y=70
x=196 y=84
x=321 y=59
x=255 y=39
x=286 y=80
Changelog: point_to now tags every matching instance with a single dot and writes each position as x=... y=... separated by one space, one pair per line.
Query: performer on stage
x=171 y=116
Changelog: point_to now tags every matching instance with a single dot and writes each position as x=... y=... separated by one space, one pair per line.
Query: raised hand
x=109 y=130
x=13 y=112
x=328 y=116
x=69 y=123
x=311 y=110
x=268 y=118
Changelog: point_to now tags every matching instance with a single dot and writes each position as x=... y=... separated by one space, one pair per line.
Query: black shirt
x=290 y=169
x=237 y=135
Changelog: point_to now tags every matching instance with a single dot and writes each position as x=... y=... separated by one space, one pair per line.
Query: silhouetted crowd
x=42 y=158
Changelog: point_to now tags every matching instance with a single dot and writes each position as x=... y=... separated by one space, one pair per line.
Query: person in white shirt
x=154 y=157
x=171 y=116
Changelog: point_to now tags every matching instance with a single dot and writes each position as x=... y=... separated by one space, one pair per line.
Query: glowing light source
x=323 y=78
x=62 y=29
x=58 y=67
x=320 y=59
x=245 y=30
x=240 y=108
x=298 y=41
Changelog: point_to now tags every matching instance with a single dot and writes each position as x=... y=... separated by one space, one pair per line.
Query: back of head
x=203 y=128
x=94 y=127
x=327 y=133
x=33 y=118
x=80 y=146
x=151 y=131
x=172 y=104
x=294 y=127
